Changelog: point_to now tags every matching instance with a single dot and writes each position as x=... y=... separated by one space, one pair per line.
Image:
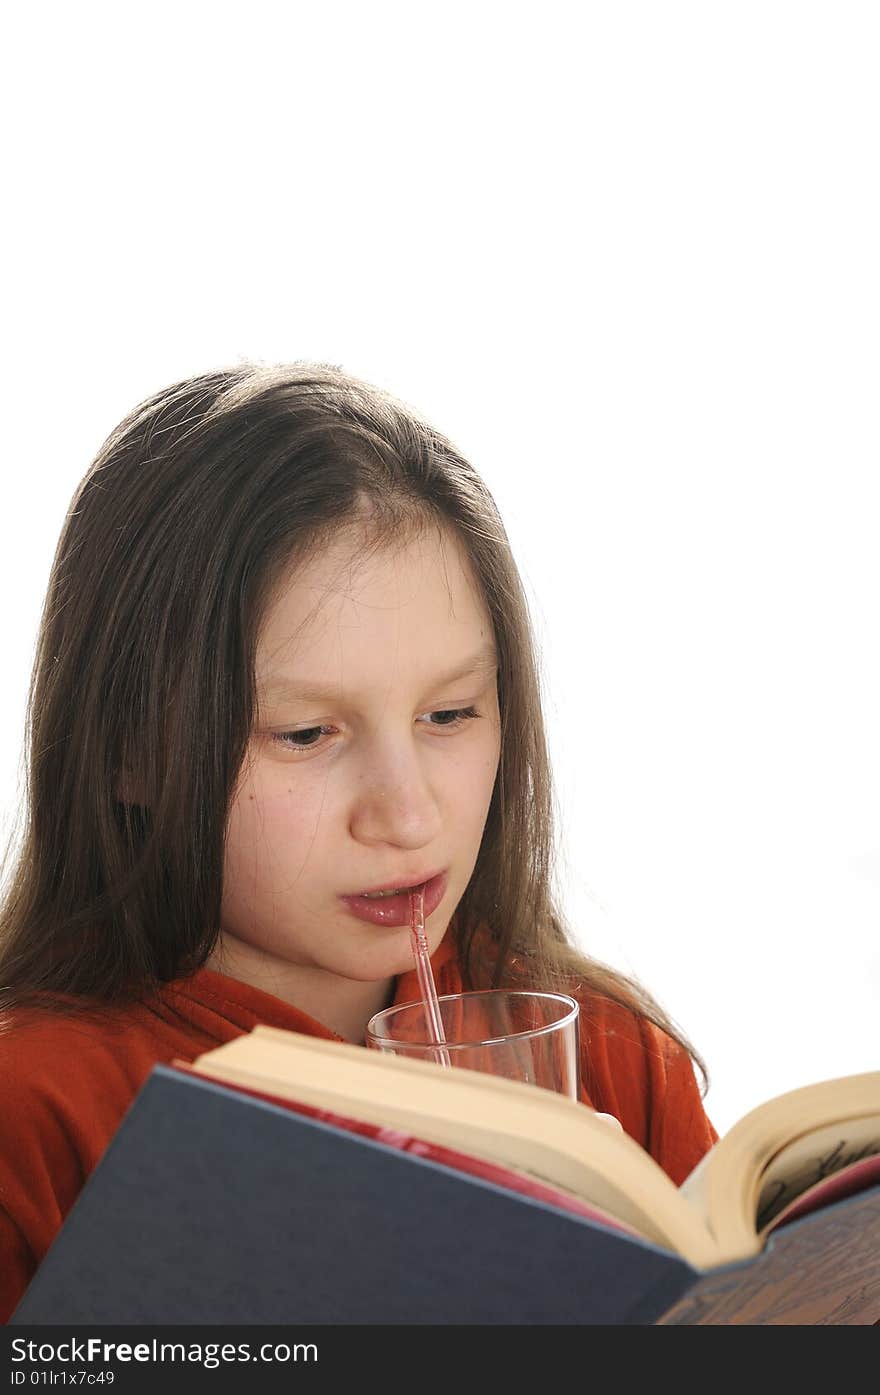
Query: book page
x=858 y=1177
x=726 y=1183
x=810 y=1159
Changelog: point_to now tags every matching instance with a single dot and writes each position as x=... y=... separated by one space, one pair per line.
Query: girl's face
x=372 y=766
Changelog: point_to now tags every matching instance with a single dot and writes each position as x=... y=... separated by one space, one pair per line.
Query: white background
x=626 y=256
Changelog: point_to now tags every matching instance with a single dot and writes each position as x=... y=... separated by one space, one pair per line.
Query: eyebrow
x=485 y=660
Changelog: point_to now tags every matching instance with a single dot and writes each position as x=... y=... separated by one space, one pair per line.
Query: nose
x=394 y=801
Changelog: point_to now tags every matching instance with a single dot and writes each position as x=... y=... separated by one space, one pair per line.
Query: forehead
x=420 y=594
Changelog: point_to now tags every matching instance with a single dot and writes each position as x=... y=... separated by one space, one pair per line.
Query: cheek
x=475 y=779
x=272 y=847
x=269 y=818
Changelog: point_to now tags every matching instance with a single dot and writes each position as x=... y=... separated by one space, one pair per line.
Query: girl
x=285 y=669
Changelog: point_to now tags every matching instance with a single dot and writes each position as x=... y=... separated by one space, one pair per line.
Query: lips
x=396 y=885
x=395 y=910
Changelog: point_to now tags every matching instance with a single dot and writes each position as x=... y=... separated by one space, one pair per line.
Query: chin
x=384 y=962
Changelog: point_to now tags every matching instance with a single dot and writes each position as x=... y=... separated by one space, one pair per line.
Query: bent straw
x=425 y=974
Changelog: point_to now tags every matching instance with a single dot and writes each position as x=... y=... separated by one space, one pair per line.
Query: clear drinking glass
x=516 y=1033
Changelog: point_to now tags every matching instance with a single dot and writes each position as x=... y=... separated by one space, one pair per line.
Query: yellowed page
x=811 y=1158
x=725 y=1185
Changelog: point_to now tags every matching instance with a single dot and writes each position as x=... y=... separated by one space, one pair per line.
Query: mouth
x=390 y=904
x=395 y=888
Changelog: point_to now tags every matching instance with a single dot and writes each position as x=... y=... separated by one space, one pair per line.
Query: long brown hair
x=144 y=682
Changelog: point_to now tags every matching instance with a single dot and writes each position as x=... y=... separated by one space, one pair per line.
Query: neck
x=343 y=1005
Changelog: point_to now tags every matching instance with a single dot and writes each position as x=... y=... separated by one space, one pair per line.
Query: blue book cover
x=214 y=1206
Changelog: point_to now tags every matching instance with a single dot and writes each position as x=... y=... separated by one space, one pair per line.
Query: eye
x=312 y=738
x=453 y=716
x=301 y=740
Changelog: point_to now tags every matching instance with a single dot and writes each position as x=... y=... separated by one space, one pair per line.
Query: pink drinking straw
x=425 y=974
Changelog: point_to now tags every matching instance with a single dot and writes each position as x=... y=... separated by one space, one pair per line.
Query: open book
x=280 y=1178
x=784 y=1158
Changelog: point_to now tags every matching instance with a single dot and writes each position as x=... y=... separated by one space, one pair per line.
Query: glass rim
x=556 y=1025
